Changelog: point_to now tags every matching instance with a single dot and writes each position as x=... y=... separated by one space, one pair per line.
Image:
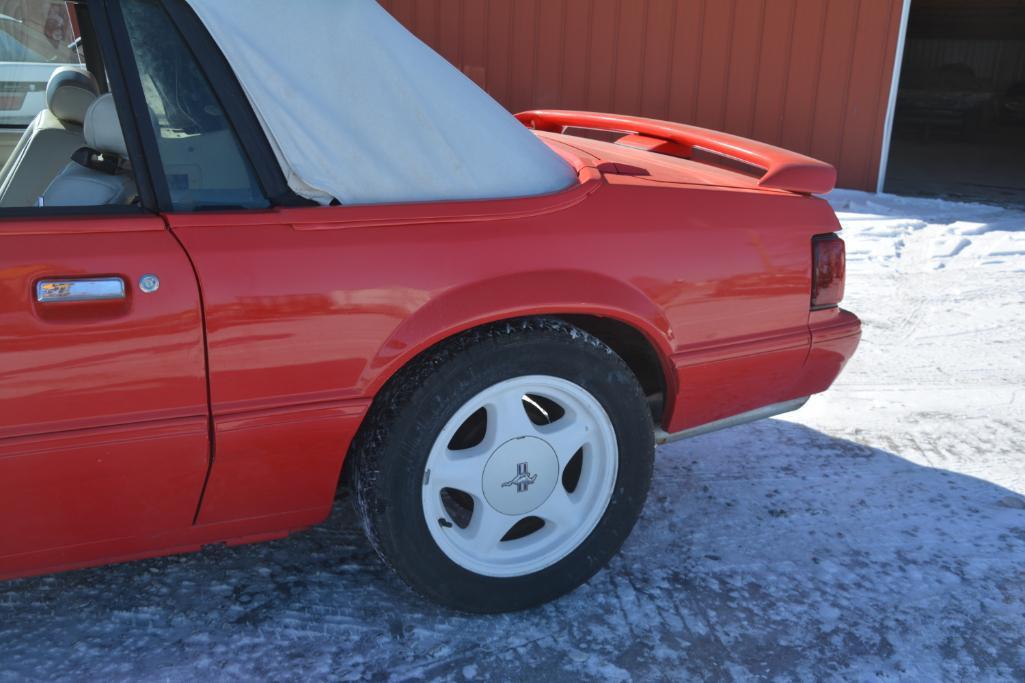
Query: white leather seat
x=101 y=175
x=50 y=140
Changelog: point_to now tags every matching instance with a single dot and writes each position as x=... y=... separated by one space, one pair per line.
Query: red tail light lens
x=829 y=270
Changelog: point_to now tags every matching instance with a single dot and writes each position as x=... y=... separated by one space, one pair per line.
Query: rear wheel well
x=635 y=349
x=629 y=343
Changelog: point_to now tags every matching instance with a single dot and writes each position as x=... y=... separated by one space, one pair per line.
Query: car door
x=278 y=455
x=104 y=428
x=103 y=420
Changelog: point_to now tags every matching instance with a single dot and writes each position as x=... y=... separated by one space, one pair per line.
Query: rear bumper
x=835 y=335
x=715 y=388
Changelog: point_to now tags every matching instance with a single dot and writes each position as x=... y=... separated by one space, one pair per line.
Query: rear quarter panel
x=731 y=270
x=315 y=308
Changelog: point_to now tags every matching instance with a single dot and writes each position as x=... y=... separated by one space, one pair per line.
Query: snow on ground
x=878 y=534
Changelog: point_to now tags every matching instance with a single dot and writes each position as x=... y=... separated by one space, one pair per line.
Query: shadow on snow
x=766 y=550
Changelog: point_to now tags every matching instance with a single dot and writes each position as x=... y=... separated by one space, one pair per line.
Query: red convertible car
x=246 y=254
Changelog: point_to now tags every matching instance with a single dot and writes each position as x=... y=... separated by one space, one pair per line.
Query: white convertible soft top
x=359 y=110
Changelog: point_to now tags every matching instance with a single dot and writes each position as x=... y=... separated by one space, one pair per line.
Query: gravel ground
x=877 y=534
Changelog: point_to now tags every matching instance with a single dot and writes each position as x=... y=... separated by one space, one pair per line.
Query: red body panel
x=69 y=366
x=309 y=311
x=103 y=406
x=279 y=461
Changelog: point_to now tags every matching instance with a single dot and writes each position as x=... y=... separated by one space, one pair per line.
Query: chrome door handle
x=80 y=289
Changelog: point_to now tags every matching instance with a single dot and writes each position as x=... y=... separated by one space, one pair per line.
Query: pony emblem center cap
x=520 y=475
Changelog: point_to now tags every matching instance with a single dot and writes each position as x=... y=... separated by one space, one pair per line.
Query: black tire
x=392 y=447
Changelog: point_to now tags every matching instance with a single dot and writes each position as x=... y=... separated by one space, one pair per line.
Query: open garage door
x=959 y=125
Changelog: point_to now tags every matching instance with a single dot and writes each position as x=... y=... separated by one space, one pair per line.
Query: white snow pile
x=876 y=535
x=880 y=228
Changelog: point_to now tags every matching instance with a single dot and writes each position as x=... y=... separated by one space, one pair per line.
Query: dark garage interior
x=959 y=126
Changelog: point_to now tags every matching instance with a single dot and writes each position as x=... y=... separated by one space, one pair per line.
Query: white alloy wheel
x=520 y=476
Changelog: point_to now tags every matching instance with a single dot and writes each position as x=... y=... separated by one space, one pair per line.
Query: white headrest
x=102 y=128
x=69 y=93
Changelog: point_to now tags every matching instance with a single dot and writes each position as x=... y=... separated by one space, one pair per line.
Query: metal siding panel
x=548 y=70
x=773 y=69
x=601 y=74
x=802 y=79
x=869 y=73
x=577 y=54
x=524 y=36
x=743 y=82
x=658 y=57
x=834 y=78
x=886 y=79
x=810 y=75
x=403 y=10
x=474 y=46
x=501 y=57
x=428 y=22
x=631 y=46
x=686 y=64
x=450 y=30
x=713 y=74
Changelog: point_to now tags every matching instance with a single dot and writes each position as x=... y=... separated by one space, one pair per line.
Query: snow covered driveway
x=877 y=534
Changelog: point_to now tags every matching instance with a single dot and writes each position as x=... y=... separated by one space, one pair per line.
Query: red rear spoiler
x=784 y=170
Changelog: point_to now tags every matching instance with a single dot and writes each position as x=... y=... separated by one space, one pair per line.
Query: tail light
x=829 y=266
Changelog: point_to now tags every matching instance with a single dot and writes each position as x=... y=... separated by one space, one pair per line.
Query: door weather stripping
x=85 y=289
x=663 y=437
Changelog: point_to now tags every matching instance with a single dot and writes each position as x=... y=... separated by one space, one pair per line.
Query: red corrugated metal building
x=810 y=75
x=926 y=95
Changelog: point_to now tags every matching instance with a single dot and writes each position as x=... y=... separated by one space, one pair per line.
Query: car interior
x=73 y=151
x=48 y=144
x=98 y=173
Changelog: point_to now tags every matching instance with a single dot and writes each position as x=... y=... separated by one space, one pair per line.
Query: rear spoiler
x=784 y=170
